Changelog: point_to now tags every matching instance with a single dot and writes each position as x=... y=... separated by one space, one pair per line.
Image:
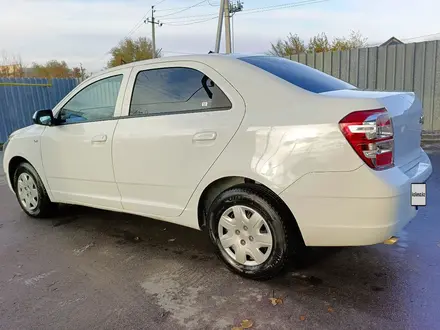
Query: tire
x=28 y=186
x=286 y=238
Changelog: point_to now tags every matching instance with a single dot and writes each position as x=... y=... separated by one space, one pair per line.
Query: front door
x=179 y=116
x=77 y=153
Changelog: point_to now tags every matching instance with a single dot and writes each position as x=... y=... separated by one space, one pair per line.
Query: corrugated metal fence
x=410 y=67
x=21 y=97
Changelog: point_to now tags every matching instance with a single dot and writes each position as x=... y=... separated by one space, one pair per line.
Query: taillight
x=370 y=133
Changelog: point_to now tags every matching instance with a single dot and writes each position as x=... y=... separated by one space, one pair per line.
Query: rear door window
x=298 y=74
x=175 y=90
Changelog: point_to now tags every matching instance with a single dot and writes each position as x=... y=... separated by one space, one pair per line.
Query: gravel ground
x=90 y=269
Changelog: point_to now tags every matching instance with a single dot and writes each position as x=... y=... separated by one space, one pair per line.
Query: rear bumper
x=362 y=207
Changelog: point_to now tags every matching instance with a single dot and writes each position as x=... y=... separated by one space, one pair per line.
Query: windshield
x=298 y=74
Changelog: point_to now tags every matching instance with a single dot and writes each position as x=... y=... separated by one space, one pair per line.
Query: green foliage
x=293 y=44
x=129 y=50
x=319 y=44
x=57 y=69
x=354 y=40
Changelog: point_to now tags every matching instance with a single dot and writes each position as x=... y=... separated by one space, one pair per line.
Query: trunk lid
x=406 y=112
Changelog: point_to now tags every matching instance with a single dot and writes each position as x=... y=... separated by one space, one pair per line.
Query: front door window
x=94 y=103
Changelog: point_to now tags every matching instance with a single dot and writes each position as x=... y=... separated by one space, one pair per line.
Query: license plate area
x=418 y=194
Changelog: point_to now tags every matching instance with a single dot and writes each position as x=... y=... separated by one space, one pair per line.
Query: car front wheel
x=30 y=192
x=251 y=233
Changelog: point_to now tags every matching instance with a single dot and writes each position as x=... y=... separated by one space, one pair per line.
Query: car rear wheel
x=251 y=233
x=30 y=192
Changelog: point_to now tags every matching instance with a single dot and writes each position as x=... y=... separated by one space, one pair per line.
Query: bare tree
x=11 y=65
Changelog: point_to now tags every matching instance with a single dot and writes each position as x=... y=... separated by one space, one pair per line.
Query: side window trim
x=171 y=113
x=126 y=73
x=177 y=65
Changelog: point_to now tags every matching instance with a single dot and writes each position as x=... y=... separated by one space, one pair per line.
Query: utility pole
x=219 y=26
x=153 y=29
x=226 y=10
x=233 y=9
x=227 y=27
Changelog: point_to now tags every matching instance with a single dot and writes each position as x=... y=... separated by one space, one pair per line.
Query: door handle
x=205 y=136
x=99 y=138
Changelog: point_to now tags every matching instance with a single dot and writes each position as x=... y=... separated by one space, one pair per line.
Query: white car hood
x=21 y=131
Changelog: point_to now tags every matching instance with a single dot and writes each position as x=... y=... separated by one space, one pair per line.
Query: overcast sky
x=83 y=31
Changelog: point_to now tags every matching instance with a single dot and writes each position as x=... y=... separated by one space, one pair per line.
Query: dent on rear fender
x=283 y=154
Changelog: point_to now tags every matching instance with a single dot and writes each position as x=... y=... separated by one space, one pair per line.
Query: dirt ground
x=90 y=269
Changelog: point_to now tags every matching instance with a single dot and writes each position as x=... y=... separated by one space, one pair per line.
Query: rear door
x=179 y=118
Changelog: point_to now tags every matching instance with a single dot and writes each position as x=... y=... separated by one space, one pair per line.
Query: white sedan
x=265 y=154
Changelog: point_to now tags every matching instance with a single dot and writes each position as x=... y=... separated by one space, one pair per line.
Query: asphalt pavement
x=90 y=269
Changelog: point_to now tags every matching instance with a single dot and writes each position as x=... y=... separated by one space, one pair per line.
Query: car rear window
x=298 y=74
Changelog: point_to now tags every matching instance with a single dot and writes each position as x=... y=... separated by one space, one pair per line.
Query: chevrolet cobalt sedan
x=264 y=154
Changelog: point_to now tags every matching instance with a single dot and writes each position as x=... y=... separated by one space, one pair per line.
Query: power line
x=193 y=16
x=249 y=11
x=192 y=22
x=244 y=12
x=184 y=9
x=141 y=21
x=135 y=27
x=177 y=8
x=257 y=10
x=282 y=6
x=213 y=5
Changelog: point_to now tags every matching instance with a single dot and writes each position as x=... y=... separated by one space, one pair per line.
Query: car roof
x=212 y=57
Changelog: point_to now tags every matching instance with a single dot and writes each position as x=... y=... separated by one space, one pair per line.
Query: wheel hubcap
x=245 y=236
x=27 y=192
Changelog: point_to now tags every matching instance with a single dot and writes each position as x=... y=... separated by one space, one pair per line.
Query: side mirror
x=43 y=117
